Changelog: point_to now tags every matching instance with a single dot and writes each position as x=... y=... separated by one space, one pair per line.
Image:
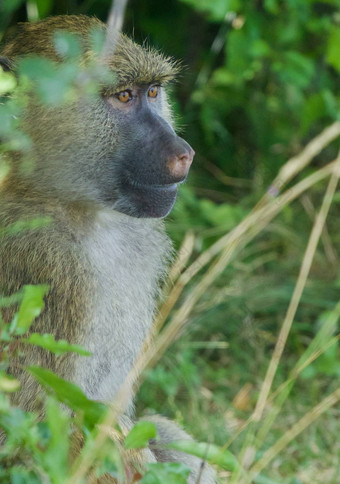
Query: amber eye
x=124 y=96
x=153 y=91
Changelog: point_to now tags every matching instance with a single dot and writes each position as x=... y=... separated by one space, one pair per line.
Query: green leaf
x=24 y=225
x=55 y=457
x=260 y=479
x=7 y=301
x=332 y=55
x=272 y=6
x=8 y=384
x=53 y=82
x=31 y=306
x=107 y=466
x=208 y=452
x=238 y=56
x=313 y=109
x=44 y=7
x=295 y=68
x=67 y=44
x=35 y=68
x=19 y=475
x=166 y=472
x=8 y=82
x=217 y=10
x=140 y=435
x=97 y=40
x=109 y=459
x=18 y=426
x=69 y=394
x=59 y=347
x=225 y=215
x=9 y=114
x=10 y=5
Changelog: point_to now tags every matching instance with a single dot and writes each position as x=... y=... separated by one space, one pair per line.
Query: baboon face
x=149 y=159
x=119 y=150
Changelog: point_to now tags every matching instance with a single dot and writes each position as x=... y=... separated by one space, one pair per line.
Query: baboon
x=105 y=171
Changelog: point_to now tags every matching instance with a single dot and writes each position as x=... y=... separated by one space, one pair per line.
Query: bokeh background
x=259 y=80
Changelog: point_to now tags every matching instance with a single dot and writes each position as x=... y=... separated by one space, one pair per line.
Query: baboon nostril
x=178 y=165
x=187 y=157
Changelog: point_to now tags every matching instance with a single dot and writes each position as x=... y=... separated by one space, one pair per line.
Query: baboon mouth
x=163 y=187
x=171 y=186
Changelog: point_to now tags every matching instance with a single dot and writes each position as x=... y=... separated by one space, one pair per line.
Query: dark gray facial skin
x=150 y=160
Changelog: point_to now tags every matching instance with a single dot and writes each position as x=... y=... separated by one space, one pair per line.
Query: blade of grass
x=233 y=242
x=298 y=163
x=282 y=388
x=278 y=398
x=300 y=285
x=314 y=238
x=183 y=256
x=290 y=169
x=294 y=431
x=167 y=336
x=260 y=217
x=321 y=342
x=330 y=251
x=114 y=26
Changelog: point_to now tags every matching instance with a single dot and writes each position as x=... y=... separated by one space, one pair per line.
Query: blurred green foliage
x=260 y=78
x=38 y=449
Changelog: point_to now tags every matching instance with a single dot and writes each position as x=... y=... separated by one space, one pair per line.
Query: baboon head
x=118 y=149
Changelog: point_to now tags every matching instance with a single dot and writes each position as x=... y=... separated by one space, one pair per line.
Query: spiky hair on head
x=36 y=38
x=136 y=64
x=131 y=63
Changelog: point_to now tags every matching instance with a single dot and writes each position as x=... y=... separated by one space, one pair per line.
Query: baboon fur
x=103 y=267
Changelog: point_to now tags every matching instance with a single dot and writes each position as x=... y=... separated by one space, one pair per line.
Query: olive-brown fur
x=103 y=266
x=131 y=62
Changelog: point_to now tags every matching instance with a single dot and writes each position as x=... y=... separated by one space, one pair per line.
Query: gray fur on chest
x=126 y=258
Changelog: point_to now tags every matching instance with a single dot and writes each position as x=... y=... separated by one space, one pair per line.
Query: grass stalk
x=229 y=245
x=299 y=287
x=294 y=431
x=251 y=440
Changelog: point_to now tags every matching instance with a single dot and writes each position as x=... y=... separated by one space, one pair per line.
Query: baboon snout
x=178 y=165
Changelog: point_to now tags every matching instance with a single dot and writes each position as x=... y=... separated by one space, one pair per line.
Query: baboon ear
x=6 y=64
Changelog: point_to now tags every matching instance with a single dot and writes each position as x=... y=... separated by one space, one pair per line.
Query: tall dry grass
x=203 y=272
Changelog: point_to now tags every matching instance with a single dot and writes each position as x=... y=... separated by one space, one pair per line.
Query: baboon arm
x=38 y=257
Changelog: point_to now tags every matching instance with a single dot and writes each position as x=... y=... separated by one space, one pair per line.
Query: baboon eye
x=124 y=96
x=153 y=91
